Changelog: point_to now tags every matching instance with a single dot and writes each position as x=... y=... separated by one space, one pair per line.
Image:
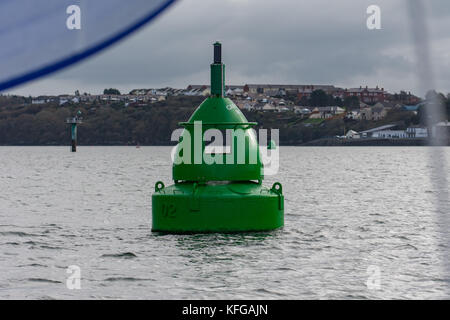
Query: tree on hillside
x=111 y=91
x=338 y=102
x=318 y=98
x=351 y=102
x=304 y=101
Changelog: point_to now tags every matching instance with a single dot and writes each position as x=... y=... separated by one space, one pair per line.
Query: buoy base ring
x=188 y=207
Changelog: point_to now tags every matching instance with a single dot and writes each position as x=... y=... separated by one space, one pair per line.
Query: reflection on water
x=198 y=242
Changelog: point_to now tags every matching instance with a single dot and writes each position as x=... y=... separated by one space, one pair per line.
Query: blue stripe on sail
x=80 y=56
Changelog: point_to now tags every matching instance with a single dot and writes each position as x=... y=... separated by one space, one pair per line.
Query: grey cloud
x=296 y=41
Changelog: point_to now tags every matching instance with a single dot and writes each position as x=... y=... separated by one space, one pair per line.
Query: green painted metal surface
x=232 y=207
x=218 y=79
x=219 y=190
x=241 y=163
x=74 y=131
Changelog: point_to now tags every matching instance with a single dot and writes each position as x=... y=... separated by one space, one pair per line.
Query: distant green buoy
x=74 y=121
x=217 y=190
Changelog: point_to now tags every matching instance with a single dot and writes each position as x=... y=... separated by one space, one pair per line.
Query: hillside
x=22 y=123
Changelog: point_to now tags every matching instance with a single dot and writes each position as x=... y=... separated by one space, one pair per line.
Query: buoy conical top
x=219 y=113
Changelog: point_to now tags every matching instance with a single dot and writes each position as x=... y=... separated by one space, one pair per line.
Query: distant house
x=264 y=106
x=391 y=105
x=268 y=107
x=75 y=100
x=378 y=112
x=336 y=92
x=315 y=114
x=370 y=133
x=38 y=101
x=307 y=90
x=248 y=106
x=201 y=89
x=388 y=134
x=193 y=92
x=138 y=91
x=42 y=99
x=283 y=89
x=363 y=105
x=244 y=105
x=365 y=113
x=63 y=99
x=258 y=106
x=159 y=92
x=366 y=95
x=304 y=92
x=353 y=115
x=282 y=108
x=234 y=90
x=352 y=134
x=326 y=112
x=403 y=97
x=302 y=110
x=384 y=132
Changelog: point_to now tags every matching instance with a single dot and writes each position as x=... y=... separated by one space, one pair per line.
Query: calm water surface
x=346 y=210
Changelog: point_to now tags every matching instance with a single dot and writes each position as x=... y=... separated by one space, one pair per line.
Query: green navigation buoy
x=74 y=121
x=218 y=188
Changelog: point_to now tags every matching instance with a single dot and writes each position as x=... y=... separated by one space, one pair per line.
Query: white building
x=352 y=134
x=417 y=132
x=268 y=107
x=386 y=134
x=326 y=112
x=38 y=101
x=354 y=115
x=282 y=109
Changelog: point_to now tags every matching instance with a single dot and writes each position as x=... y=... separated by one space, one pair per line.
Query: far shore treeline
x=106 y=123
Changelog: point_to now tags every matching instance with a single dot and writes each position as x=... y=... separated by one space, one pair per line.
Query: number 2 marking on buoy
x=169 y=210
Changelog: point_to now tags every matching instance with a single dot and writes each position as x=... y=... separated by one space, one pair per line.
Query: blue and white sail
x=40 y=37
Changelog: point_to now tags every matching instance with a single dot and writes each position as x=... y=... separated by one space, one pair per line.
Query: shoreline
x=330 y=142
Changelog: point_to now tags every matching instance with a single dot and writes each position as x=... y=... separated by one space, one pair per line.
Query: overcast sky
x=270 y=41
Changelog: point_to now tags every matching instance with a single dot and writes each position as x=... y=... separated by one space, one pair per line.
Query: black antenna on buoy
x=217 y=72
x=217 y=52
